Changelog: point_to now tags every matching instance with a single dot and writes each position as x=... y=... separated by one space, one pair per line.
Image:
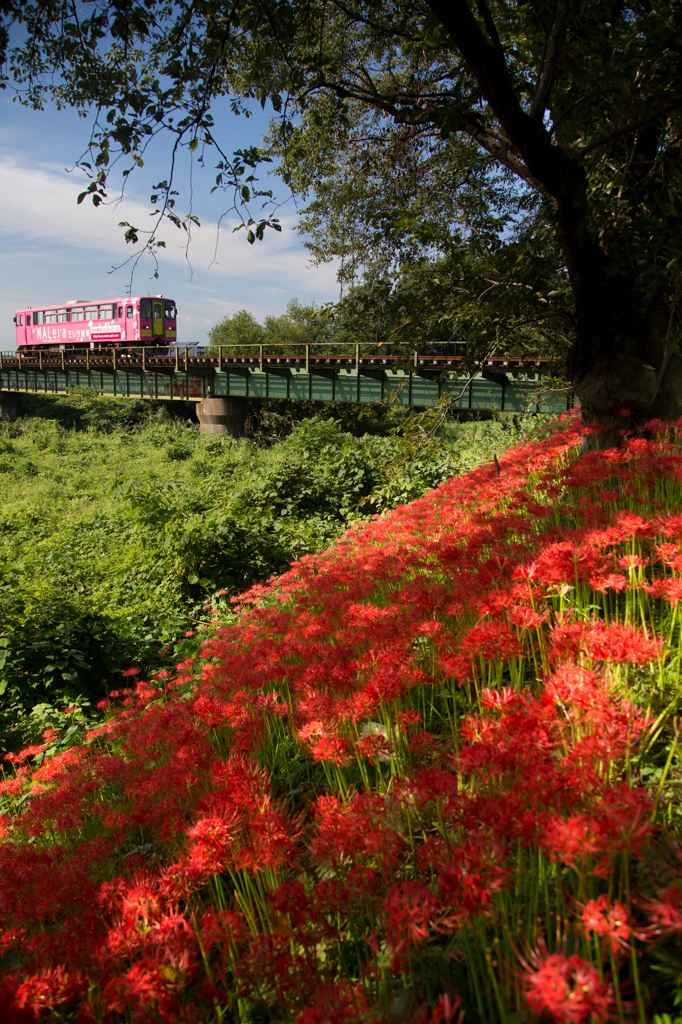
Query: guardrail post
x=19 y=354
x=261 y=357
x=63 y=363
x=307 y=358
x=186 y=358
x=40 y=358
x=87 y=359
x=177 y=357
x=144 y=362
x=357 y=356
x=220 y=358
x=113 y=356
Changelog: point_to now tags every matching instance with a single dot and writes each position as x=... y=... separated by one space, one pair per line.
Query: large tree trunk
x=622 y=370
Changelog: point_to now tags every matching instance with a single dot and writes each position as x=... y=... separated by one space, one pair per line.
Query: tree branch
x=632 y=127
x=550 y=61
x=489 y=68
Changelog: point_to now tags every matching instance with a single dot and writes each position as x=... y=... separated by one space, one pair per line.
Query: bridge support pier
x=223 y=415
x=11 y=404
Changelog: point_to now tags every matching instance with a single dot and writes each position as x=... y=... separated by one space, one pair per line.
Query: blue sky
x=52 y=250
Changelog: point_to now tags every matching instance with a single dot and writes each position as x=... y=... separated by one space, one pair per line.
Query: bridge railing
x=444 y=354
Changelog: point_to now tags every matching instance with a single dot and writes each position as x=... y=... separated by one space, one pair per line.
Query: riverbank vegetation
x=429 y=774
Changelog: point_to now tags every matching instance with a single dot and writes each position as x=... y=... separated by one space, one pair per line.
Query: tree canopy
x=299 y=324
x=529 y=151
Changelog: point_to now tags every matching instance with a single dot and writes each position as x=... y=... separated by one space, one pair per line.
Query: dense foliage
x=428 y=775
x=119 y=524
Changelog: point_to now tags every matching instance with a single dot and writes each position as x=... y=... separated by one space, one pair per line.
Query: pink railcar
x=144 y=320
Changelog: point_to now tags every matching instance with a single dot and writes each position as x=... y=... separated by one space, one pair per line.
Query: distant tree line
x=392 y=309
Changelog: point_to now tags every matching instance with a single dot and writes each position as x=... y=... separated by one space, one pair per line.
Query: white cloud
x=53 y=249
x=40 y=204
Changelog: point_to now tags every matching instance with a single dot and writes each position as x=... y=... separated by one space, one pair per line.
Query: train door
x=157 y=321
x=171 y=321
x=130 y=332
x=21 y=329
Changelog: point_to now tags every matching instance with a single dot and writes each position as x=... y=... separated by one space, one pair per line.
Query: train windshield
x=170 y=310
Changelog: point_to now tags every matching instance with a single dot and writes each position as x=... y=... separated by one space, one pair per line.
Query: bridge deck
x=295 y=371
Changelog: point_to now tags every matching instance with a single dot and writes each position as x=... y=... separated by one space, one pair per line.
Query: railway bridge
x=223 y=379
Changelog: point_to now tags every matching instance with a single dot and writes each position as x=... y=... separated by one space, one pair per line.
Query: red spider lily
x=456 y=666
x=360 y=830
x=569 y=989
x=447 y=1009
x=221 y=928
x=608 y=920
x=608 y=581
x=46 y=990
x=576 y=686
x=596 y=640
x=630 y=562
x=24 y=754
x=374 y=747
x=670 y=589
x=363 y=632
x=145 y=991
x=492 y=641
x=212 y=842
x=501 y=701
x=633 y=525
x=410 y=909
x=565 y=562
x=665 y=913
x=527 y=618
x=408 y=718
x=330 y=748
x=670 y=524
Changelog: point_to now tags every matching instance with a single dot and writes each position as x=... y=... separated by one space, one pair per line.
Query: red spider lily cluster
x=403 y=786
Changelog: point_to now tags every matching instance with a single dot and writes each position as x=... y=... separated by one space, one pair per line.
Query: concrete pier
x=223 y=415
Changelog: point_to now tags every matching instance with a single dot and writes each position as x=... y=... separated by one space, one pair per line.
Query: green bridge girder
x=500 y=384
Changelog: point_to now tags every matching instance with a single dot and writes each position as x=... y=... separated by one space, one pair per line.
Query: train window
x=62 y=316
x=28 y=319
x=146 y=308
x=77 y=314
x=129 y=312
x=158 y=310
x=21 y=320
x=90 y=312
x=106 y=312
x=38 y=318
x=120 y=312
x=170 y=311
x=50 y=316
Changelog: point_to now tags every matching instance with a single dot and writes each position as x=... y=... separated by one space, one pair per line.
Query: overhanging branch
x=632 y=127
